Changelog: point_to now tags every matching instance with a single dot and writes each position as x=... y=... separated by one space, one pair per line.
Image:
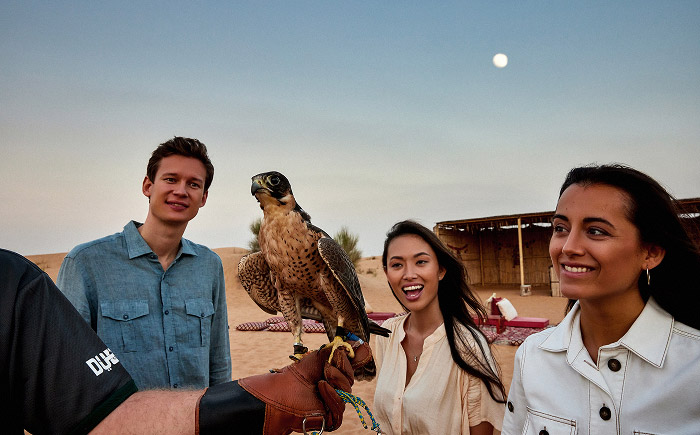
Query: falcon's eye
x=274 y=180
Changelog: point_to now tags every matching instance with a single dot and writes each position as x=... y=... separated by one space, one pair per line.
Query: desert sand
x=256 y=352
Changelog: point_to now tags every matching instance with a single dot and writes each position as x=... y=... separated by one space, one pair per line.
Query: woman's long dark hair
x=656 y=214
x=455 y=300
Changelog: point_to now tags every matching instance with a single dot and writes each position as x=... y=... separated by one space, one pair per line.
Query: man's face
x=177 y=192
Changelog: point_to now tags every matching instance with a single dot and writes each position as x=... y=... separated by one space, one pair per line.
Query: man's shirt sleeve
x=72 y=284
x=220 y=353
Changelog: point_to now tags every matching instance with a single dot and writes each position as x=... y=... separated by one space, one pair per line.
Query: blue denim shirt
x=168 y=328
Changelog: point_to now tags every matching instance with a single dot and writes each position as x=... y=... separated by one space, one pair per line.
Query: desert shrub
x=254 y=244
x=348 y=242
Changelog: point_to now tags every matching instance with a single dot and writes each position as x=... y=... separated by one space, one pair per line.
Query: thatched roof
x=690 y=209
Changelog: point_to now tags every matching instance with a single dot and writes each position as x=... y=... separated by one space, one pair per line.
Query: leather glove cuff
x=228 y=408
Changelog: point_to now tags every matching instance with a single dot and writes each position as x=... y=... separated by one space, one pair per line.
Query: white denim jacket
x=648 y=382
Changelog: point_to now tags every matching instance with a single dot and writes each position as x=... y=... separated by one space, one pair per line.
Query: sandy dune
x=256 y=352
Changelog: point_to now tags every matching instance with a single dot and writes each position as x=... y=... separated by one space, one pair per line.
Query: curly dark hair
x=457 y=303
x=656 y=215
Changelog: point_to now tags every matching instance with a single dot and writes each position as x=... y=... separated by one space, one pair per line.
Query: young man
x=57 y=376
x=157 y=300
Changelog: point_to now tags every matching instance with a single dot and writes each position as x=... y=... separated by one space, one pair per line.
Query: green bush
x=348 y=242
x=254 y=244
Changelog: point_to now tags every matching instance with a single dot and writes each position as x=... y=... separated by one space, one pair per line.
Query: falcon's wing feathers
x=316 y=229
x=254 y=273
x=344 y=271
x=342 y=268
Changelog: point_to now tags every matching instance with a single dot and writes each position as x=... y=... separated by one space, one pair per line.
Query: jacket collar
x=648 y=337
x=136 y=246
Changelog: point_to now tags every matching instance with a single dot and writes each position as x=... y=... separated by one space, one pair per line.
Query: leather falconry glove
x=297 y=398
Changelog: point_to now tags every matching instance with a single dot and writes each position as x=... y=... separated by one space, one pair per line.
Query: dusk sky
x=375 y=111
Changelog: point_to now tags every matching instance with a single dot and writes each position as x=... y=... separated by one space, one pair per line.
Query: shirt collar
x=648 y=337
x=136 y=246
x=187 y=247
x=433 y=338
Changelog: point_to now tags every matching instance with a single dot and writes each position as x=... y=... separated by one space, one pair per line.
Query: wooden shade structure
x=514 y=249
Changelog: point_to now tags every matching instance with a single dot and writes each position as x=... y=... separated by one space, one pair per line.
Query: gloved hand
x=302 y=397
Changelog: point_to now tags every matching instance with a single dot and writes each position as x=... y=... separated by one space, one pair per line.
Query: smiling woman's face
x=595 y=249
x=413 y=272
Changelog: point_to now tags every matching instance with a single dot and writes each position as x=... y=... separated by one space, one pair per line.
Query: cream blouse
x=440 y=398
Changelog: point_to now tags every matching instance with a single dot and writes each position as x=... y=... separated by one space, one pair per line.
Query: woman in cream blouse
x=436 y=372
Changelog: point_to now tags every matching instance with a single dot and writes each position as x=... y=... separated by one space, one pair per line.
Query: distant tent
x=514 y=249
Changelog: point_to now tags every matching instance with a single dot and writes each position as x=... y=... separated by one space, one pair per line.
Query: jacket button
x=510 y=406
x=544 y=432
x=126 y=316
x=605 y=413
x=614 y=365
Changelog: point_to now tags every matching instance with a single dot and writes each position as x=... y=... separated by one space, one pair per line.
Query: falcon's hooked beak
x=256 y=186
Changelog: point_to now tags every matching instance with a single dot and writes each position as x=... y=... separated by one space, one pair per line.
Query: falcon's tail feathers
x=374 y=328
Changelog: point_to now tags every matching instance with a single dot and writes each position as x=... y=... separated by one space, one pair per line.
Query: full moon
x=500 y=60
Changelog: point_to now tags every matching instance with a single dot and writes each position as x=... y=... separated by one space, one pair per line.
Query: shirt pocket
x=542 y=423
x=199 y=313
x=127 y=322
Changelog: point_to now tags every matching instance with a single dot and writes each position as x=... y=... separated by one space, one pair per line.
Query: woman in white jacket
x=626 y=358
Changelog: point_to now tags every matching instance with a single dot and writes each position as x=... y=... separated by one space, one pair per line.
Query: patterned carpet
x=509 y=336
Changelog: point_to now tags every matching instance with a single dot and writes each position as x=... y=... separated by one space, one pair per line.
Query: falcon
x=302 y=272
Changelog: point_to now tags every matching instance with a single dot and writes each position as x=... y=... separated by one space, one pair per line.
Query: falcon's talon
x=299 y=352
x=339 y=342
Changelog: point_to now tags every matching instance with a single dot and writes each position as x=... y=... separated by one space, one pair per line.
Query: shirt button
x=174 y=385
x=171 y=349
x=510 y=406
x=153 y=256
x=126 y=316
x=614 y=365
x=202 y=315
x=167 y=312
x=605 y=413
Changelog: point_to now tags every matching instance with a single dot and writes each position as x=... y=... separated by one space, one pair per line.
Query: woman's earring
x=648 y=277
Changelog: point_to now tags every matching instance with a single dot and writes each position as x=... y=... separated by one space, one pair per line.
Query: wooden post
x=481 y=260
x=520 y=249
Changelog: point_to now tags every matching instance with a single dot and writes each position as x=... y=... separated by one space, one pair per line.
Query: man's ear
x=146 y=186
x=655 y=254
x=204 y=198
